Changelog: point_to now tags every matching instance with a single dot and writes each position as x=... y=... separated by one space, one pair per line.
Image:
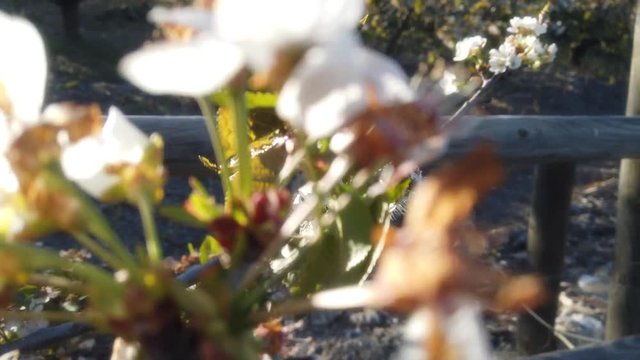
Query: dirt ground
x=85 y=71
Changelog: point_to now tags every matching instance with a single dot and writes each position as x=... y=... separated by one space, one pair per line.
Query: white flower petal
x=197 y=18
x=23 y=67
x=124 y=143
x=196 y=68
x=280 y=23
x=334 y=83
x=526 y=25
x=84 y=163
x=5 y=137
x=468 y=46
x=345 y=298
x=465 y=331
x=8 y=180
x=448 y=83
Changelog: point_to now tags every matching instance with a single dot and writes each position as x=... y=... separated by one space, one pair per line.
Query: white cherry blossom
x=272 y=25
x=333 y=83
x=229 y=37
x=527 y=25
x=468 y=47
x=447 y=83
x=193 y=68
x=503 y=58
x=119 y=142
x=23 y=69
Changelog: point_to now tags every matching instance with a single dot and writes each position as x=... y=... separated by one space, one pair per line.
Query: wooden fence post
x=623 y=317
x=548 y=224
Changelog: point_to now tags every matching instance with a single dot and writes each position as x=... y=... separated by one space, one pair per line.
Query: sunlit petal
x=345 y=298
x=197 y=18
x=8 y=180
x=279 y=23
x=119 y=142
x=124 y=142
x=23 y=67
x=334 y=83
x=4 y=133
x=84 y=163
x=195 y=68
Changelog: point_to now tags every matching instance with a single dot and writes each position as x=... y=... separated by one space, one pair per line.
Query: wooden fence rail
x=518 y=139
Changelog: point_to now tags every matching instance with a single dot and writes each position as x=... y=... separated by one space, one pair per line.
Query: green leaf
x=320 y=266
x=209 y=248
x=341 y=255
x=178 y=214
x=200 y=205
x=395 y=193
x=354 y=225
x=253 y=99
x=260 y=99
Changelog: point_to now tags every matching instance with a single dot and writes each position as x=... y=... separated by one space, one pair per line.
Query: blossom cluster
x=522 y=47
x=309 y=51
x=33 y=139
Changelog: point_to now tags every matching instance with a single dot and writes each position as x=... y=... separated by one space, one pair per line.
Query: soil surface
x=85 y=71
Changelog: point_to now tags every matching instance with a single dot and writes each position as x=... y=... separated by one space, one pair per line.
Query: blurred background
x=86 y=38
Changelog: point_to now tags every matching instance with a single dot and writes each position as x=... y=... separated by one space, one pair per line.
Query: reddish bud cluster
x=264 y=213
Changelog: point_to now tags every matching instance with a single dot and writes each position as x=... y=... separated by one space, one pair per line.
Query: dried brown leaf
x=448 y=196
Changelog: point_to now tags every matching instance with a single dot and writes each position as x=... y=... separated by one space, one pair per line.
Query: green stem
x=241 y=127
x=218 y=150
x=154 y=248
x=35 y=259
x=57 y=282
x=109 y=258
x=95 y=222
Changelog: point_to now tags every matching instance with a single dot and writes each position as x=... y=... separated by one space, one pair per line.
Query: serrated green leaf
x=209 y=164
x=254 y=99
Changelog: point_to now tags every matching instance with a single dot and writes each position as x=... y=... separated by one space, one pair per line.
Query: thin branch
x=473 y=100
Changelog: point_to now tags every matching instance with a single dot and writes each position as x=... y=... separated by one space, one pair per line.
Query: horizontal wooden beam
x=518 y=139
x=540 y=139
x=185 y=137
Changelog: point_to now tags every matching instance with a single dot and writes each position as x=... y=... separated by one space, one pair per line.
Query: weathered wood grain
x=623 y=314
x=542 y=139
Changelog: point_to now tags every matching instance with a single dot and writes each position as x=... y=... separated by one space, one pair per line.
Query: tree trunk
x=548 y=225
x=623 y=317
x=70 y=10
